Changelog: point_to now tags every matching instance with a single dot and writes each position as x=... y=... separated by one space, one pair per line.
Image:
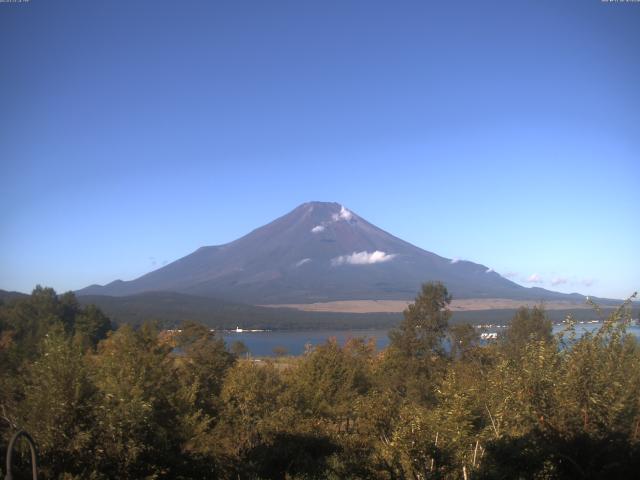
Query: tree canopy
x=138 y=403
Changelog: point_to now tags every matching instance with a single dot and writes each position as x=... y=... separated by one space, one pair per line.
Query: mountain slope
x=6 y=296
x=319 y=252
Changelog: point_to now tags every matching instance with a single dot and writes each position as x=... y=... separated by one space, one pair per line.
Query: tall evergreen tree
x=423 y=329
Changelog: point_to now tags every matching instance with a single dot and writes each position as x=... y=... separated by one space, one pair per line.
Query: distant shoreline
x=397 y=306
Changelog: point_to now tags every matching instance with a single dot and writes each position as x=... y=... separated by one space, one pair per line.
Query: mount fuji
x=320 y=252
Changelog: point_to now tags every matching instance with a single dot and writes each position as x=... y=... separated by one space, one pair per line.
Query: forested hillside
x=128 y=404
x=170 y=309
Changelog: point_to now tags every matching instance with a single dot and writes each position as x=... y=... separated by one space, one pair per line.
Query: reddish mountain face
x=318 y=252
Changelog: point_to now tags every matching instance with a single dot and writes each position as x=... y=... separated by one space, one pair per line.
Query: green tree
x=27 y=320
x=327 y=383
x=91 y=325
x=239 y=348
x=250 y=399
x=57 y=406
x=136 y=424
x=415 y=358
x=528 y=325
x=204 y=362
x=567 y=413
x=464 y=339
x=425 y=323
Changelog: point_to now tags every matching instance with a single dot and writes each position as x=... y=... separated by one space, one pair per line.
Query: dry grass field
x=394 y=306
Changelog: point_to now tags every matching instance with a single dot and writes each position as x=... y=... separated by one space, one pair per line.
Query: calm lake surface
x=261 y=344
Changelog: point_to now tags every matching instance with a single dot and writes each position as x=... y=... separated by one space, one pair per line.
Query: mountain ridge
x=320 y=251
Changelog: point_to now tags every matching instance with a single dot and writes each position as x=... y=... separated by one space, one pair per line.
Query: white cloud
x=455 y=260
x=489 y=270
x=303 y=261
x=558 y=281
x=362 y=258
x=534 y=278
x=343 y=215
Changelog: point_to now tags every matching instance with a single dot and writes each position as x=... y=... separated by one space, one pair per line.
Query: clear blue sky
x=507 y=133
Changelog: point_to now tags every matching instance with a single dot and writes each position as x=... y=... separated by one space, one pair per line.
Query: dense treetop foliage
x=138 y=403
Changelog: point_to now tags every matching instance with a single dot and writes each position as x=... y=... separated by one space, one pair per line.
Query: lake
x=262 y=344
